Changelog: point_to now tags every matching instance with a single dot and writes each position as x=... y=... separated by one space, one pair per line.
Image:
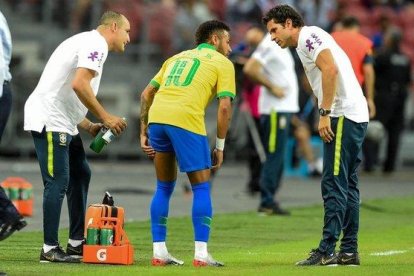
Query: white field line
x=388 y=253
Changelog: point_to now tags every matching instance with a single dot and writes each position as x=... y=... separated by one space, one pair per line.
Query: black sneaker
x=57 y=255
x=274 y=210
x=348 y=258
x=319 y=258
x=75 y=251
x=8 y=228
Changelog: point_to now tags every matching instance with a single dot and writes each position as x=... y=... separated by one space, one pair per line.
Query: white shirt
x=279 y=68
x=54 y=103
x=5 y=52
x=349 y=101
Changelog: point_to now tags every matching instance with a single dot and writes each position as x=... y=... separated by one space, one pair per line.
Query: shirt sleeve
x=226 y=83
x=261 y=53
x=92 y=55
x=313 y=43
x=157 y=79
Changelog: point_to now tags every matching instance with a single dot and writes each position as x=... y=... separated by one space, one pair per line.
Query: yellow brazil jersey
x=187 y=82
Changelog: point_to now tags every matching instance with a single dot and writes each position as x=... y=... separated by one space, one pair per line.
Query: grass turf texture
x=248 y=244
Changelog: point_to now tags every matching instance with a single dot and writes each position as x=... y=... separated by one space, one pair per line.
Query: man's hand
x=115 y=123
x=217 y=159
x=277 y=91
x=371 y=108
x=94 y=129
x=145 y=146
x=325 y=130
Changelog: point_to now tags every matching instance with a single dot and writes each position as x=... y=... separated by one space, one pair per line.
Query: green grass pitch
x=248 y=244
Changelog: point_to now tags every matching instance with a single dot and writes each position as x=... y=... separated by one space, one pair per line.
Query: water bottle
x=104 y=137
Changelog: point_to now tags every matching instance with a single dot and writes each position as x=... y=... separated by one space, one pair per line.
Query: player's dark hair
x=208 y=28
x=280 y=13
x=350 y=22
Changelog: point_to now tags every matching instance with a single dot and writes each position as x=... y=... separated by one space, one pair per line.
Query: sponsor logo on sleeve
x=94 y=56
x=311 y=41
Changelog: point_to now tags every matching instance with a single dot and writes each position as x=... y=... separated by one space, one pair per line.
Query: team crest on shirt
x=62 y=139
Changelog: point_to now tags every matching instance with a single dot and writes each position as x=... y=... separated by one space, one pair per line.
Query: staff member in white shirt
x=342 y=125
x=57 y=107
x=10 y=219
x=274 y=69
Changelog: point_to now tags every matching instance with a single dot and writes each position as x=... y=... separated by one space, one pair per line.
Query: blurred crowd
x=170 y=23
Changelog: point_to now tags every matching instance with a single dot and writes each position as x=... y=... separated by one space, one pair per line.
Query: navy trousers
x=65 y=170
x=5 y=106
x=274 y=130
x=8 y=212
x=340 y=191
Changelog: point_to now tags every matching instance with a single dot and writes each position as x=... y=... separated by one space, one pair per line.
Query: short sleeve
x=263 y=52
x=92 y=55
x=312 y=43
x=157 y=79
x=226 y=84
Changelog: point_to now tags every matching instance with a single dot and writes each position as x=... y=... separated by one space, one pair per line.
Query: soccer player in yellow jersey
x=173 y=130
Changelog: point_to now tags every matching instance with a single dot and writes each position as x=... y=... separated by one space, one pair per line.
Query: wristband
x=220 y=143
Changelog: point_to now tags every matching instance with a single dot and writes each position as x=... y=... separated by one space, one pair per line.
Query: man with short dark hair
x=173 y=131
x=342 y=125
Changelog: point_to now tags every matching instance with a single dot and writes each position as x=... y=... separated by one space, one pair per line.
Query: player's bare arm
x=224 y=114
x=326 y=64
x=147 y=96
x=81 y=86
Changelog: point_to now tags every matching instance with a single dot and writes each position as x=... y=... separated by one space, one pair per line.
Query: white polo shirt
x=279 y=67
x=349 y=101
x=54 y=104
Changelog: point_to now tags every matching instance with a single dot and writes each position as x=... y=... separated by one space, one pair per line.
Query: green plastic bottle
x=104 y=137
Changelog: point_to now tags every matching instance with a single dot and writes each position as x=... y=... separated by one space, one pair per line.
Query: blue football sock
x=159 y=209
x=202 y=211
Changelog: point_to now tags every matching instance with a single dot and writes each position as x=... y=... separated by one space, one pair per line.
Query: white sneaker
x=209 y=261
x=167 y=260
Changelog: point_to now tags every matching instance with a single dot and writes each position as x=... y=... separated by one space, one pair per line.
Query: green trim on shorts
x=338 y=145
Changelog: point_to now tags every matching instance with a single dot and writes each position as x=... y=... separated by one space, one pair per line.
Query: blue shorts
x=191 y=149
